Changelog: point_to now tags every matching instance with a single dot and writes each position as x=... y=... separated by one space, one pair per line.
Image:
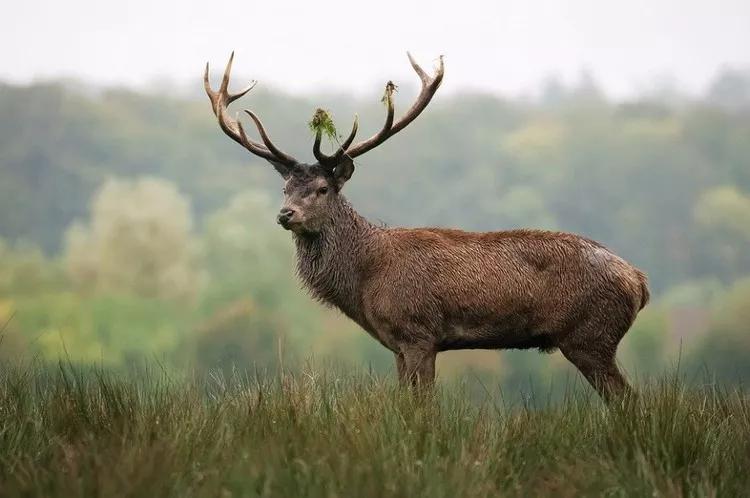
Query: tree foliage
x=137 y=242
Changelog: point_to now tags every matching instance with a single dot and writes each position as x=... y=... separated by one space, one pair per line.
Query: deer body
x=426 y=290
x=422 y=291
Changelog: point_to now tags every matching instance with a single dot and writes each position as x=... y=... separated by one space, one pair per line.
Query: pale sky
x=505 y=47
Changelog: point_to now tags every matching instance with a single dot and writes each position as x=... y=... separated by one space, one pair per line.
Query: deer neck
x=334 y=263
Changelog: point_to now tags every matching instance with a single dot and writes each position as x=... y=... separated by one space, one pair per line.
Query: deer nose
x=285 y=215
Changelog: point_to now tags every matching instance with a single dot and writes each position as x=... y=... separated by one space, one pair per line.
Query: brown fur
x=422 y=291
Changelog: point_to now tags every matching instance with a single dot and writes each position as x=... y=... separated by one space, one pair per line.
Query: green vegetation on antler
x=322 y=122
x=387 y=98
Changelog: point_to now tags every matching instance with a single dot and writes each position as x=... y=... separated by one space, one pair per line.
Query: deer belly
x=510 y=333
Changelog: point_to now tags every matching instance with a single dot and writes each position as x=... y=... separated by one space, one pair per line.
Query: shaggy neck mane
x=333 y=262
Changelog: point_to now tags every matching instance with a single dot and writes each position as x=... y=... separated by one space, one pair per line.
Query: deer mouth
x=292 y=225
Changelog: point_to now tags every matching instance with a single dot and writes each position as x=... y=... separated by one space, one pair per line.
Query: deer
x=421 y=291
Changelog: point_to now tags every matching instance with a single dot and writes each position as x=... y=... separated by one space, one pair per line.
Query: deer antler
x=233 y=127
x=332 y=161
x=430 y=85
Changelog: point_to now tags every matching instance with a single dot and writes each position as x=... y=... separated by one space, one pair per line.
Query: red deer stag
x=425 y=290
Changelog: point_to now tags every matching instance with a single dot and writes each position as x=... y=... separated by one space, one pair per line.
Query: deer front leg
x=401 y=368
x=416 y=366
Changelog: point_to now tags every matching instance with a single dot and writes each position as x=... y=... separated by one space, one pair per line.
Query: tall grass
x=75 y=431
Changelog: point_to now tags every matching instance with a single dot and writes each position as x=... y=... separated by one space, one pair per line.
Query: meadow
x=68 y=430
x=131 y=228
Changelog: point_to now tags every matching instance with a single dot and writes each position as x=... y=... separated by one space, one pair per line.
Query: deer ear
x=343 y=171
x=284 y=170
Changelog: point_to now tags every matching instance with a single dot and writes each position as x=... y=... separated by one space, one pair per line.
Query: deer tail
x=645 y=294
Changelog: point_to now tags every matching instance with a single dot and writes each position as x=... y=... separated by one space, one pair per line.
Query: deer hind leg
x=599 y=368
x=416 y=367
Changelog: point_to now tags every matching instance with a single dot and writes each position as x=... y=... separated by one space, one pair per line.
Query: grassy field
x=69 y=431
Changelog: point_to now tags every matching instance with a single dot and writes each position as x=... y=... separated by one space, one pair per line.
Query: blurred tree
x=725 y=351
x=137 y=242
x=25 y=271
x=644 y=347
x=111 y=330
x=522 y=206
x=239 y=335
x=13 y=344
x=730 y=90
x=247 y=254
x=726 y=209
x=723 y=217
x=587 y=89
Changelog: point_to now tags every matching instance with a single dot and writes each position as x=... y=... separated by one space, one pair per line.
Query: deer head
x=311 y=190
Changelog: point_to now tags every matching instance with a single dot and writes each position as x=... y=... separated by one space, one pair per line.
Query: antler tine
x=241 y=93
x=231 y=97
x=233 y=128
x=229 y=126
x=212 y=96
x=323 y=159
x=430 y=85
x=267 y=141
x=331 y=161
x=224 y=86
x=349 y=139
x=418 y=69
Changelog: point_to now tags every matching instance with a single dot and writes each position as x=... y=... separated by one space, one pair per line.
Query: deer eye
x=322 y=190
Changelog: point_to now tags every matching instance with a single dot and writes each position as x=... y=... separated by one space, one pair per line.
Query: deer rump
x=516 y=289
